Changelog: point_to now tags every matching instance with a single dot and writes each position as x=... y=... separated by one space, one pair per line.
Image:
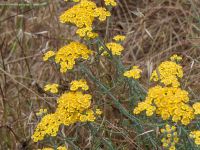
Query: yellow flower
x=61 y=148
x=172 y=148
x=76 y=84
x=83 y=118
x=83 y=15
x=196 y=136
x=67 y=55
x=176 y=139
x=170 y=137
x=110 y=2
x=165 y=145
x=101 y=13
x=168 y=73
x=48 y=126
x=73 y=106
x=119 y=38
x=90 y=115
x=175 y=58
x=87 y=31
x=167 y=102
x=168 y=128
x=165 y=115
x=135 y=73
x=41 y=112
x=115 y=48
x=53 y=88
x=196 y=107
x=162 y=130
x=186 y=120
x=48 y=54
x=98 y=112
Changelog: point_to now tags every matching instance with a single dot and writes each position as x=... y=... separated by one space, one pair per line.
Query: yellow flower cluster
x=58 y=148
x=168 y=73
x=175 y=58
x=48 y=55
x=98 y=112
x=118 y=38
x=73 y=0
x=83 y=15
x=49 y=125
x=110 y=2
x=76 y=84
x=41 y=112
x=61 y=148
x=115 y=48
x=170 y=137
x=53 y=88
x=167 y=102
x=67 y=55
x=196 y=136
x=73 y=106
x=196 y=107
x=135 y=73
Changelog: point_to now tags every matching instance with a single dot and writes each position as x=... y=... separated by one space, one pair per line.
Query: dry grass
x=155 y=30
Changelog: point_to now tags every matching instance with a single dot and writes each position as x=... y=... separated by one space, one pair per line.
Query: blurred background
x=155 y=30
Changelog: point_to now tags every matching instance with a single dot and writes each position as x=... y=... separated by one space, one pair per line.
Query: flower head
x=175 y=58
x=135 y=73
x=41 y=112
x=48 y=55
x=76 y=84
x=170 y=138
x=119 y=38
x=73 y=106
x=98 y=112
x=82 y=15
x=49 y=125
x=115 y=48
x=110 y=2
x=53 y=88
x=168 y=73
x=196 y=136
x=167 y=102
x=67 y=55
x=196 y=107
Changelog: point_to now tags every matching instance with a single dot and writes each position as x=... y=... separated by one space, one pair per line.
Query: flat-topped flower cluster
x=67 y=55
x=83 y=15
x=73 y=106
x=167 y=100
x=170 y=137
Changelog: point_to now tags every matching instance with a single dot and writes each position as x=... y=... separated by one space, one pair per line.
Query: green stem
x=116 y=102
x=136 y=89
